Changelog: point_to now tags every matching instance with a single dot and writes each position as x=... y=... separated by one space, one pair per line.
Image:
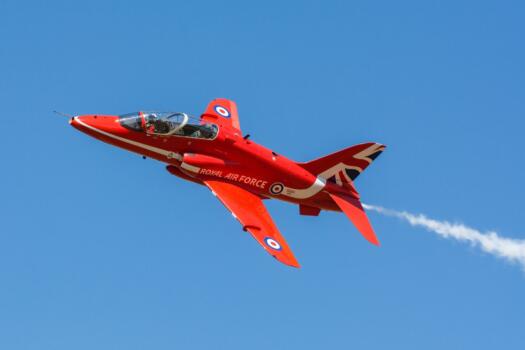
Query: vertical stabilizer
x=344 y=166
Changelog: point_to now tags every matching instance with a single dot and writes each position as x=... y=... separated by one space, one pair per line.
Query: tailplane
x=354 y=211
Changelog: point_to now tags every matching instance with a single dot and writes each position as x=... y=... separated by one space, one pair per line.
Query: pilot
x=161 y=126
x=196 y=133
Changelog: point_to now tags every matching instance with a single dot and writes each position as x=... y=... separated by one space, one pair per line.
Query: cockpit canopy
x=168 y=124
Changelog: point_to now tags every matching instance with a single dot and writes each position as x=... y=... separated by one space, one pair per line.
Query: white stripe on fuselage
x=189 y=167
x=304 y=193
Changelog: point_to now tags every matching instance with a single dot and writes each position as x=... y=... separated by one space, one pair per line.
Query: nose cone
x=97 y=124
x=103 y=127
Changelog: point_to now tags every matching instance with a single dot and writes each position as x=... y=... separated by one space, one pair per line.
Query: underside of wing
x=250 y=211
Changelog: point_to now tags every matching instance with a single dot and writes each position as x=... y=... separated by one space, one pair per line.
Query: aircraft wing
x=250 y=211
x=224 y=111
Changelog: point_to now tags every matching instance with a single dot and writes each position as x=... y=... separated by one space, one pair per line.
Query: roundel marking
x=272 y=243
x=222 y=111
x=276 y=188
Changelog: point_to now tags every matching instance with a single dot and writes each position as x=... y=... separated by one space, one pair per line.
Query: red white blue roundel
x=272 y=243
x=222 y=111
x=276 y=188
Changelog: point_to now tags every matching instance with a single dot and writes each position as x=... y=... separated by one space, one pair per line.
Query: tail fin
x=344 y=166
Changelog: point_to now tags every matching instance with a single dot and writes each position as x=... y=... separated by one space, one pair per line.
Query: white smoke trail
x=512 y=250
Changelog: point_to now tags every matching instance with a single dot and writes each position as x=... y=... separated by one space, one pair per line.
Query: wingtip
x=294 y=265
x=292 y=261
x=288 y=261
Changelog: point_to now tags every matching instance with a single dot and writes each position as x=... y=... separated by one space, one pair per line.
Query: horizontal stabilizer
x=354 y=211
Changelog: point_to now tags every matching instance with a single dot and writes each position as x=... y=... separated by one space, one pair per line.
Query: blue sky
x=101 y=249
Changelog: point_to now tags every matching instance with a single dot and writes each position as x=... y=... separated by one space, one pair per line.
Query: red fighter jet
x=212 y=151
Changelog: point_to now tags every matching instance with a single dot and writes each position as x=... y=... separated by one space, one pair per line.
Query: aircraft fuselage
x=228 y=157
x=212 y=151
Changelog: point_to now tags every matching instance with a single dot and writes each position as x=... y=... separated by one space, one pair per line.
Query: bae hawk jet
x=212 y=151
